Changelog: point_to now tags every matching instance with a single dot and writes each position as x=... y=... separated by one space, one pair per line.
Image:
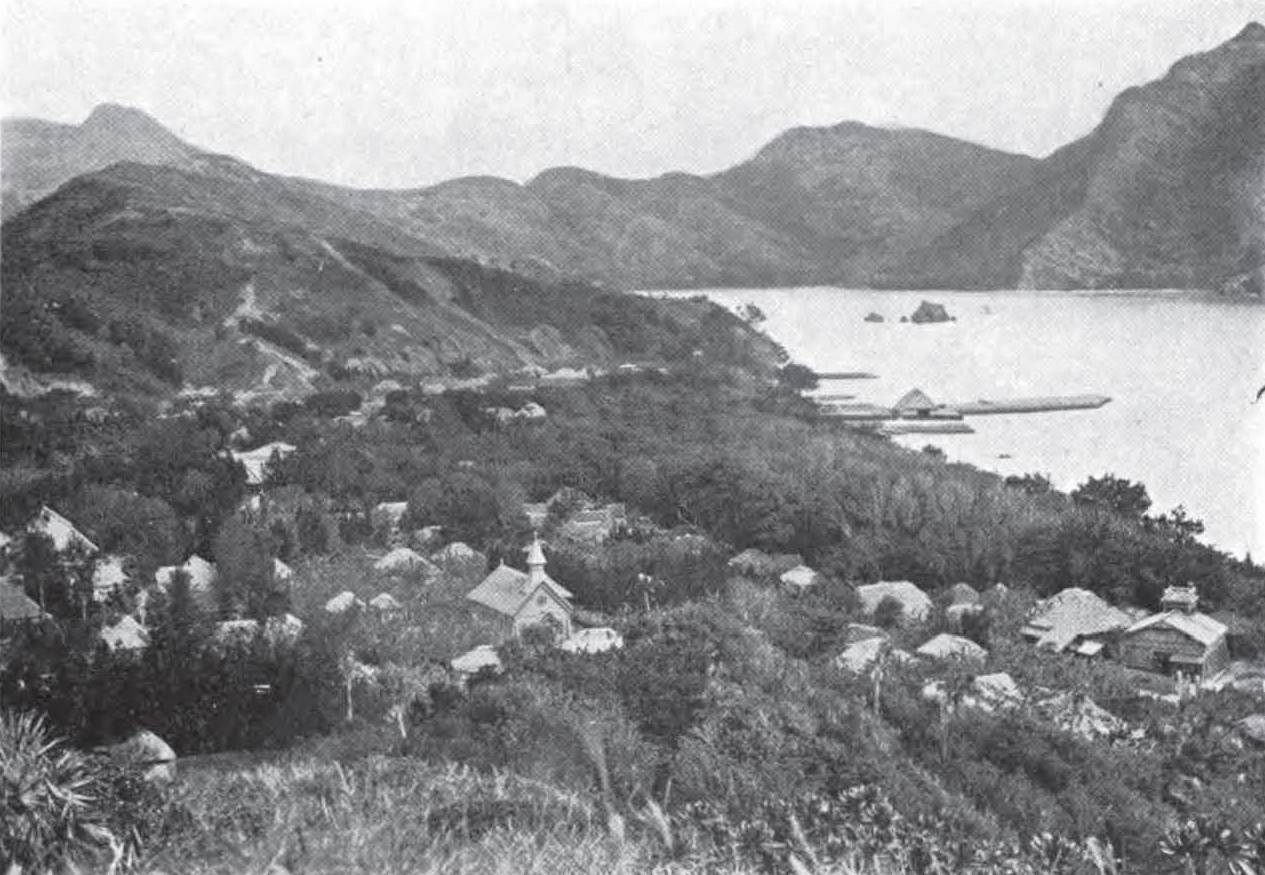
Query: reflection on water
x=1182 y=372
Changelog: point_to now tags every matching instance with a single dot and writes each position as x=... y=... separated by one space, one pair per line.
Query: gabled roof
x=126 y=634
x=1200 y=627
x=800 y=575
x=946 y=646
x=915 y=604
x=506 y=590
x=256 y=460
x=457 y=551
x=1071 y=614
x=15 y=605
x=915 y=399
x=61 y=530
x=402 y=558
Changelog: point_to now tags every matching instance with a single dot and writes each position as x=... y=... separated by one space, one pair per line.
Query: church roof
x=506 y=590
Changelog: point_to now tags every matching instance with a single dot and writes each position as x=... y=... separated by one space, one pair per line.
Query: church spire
x=535 y=561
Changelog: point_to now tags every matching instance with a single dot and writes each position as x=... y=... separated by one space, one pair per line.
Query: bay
x=1182 y=371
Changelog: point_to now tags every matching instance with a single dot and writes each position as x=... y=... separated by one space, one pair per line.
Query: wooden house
x=1179 y=640
x=521 y=599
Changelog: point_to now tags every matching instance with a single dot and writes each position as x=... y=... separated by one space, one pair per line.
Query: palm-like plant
x=51 y=809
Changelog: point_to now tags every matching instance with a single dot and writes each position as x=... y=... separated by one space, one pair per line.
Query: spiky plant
x=51 y=807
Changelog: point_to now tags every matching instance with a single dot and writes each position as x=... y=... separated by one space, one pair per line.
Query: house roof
x=505 y=590
x=384 y=601
x=946 y=646
x=915 y=604
x=344 y=601
x=481 y=657
x=860 y=655
x=800 y=575
x=963 y=593
x=402 y=558
x=457 y=551
x=255 y=461
x=15 y=605
x=1071 y=614
x=61 y=530
x=108 y=573
x=126 y=634
x=1200 y=627
x=915 y=399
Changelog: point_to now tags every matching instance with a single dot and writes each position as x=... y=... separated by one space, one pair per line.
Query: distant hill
x=1168 y=191
x=148 y=278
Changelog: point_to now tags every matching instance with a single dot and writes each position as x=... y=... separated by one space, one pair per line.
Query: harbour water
x=1182 y=372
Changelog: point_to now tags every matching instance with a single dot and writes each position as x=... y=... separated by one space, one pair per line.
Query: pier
x=916 y=413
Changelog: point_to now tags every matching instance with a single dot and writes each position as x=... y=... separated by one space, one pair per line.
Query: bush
x=55 y=800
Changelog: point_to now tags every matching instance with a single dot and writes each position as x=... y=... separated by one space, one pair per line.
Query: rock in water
x=874 y=317
x=929 y=312
x=149 y=753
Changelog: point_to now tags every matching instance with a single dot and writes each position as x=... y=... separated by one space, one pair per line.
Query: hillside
x=1168 y=191
x=152 y=278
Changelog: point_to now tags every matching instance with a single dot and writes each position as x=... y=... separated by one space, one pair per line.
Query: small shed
x=16 y=609
x=126 y=634
x=343 y=602
x=915 y=604
x=946 y=646
x=596 y=640
x=801 y=577
x=481 y=658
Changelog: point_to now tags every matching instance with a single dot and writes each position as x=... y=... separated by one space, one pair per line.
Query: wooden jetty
x=1041 y=404
x=913 y=426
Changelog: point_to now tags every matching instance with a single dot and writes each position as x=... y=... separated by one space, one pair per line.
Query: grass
x=381 y=815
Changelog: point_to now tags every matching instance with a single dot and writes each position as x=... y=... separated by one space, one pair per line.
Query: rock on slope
x=1168 y=191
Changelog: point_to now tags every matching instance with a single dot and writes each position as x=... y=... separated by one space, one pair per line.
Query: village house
x=16 y=609
x=1075 y=620
x=525 y=599
x=1179 y=640
x=256 y=461
x=915 y=605
x=61 y=531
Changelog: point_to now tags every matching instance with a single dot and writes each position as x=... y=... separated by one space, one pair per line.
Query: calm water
x=1182 y=374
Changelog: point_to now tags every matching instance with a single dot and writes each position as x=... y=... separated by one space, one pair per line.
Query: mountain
x=38 y=156
x=814 y=205
x=1167 y=192
x=147 y=279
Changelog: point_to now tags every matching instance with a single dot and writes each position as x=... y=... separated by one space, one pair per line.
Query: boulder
x=146 y=751
x=929 y=312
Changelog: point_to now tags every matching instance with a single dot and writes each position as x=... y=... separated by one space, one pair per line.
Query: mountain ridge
x=1164 y=192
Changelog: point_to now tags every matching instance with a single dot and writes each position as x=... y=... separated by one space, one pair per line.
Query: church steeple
x=535 y=562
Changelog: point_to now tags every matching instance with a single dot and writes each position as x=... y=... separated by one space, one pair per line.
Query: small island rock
x=929 y=312
x=874 y=317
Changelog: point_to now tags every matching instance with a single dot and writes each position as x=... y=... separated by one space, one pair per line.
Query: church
x=523 y=599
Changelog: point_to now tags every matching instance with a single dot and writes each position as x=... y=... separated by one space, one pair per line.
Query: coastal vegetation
x=721 y=735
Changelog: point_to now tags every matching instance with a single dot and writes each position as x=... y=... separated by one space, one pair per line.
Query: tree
x=1115 y=494
x=888 y=612
x=797 y=377
x=246 y=583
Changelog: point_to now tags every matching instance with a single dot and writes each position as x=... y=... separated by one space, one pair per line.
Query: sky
x=398 y=94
